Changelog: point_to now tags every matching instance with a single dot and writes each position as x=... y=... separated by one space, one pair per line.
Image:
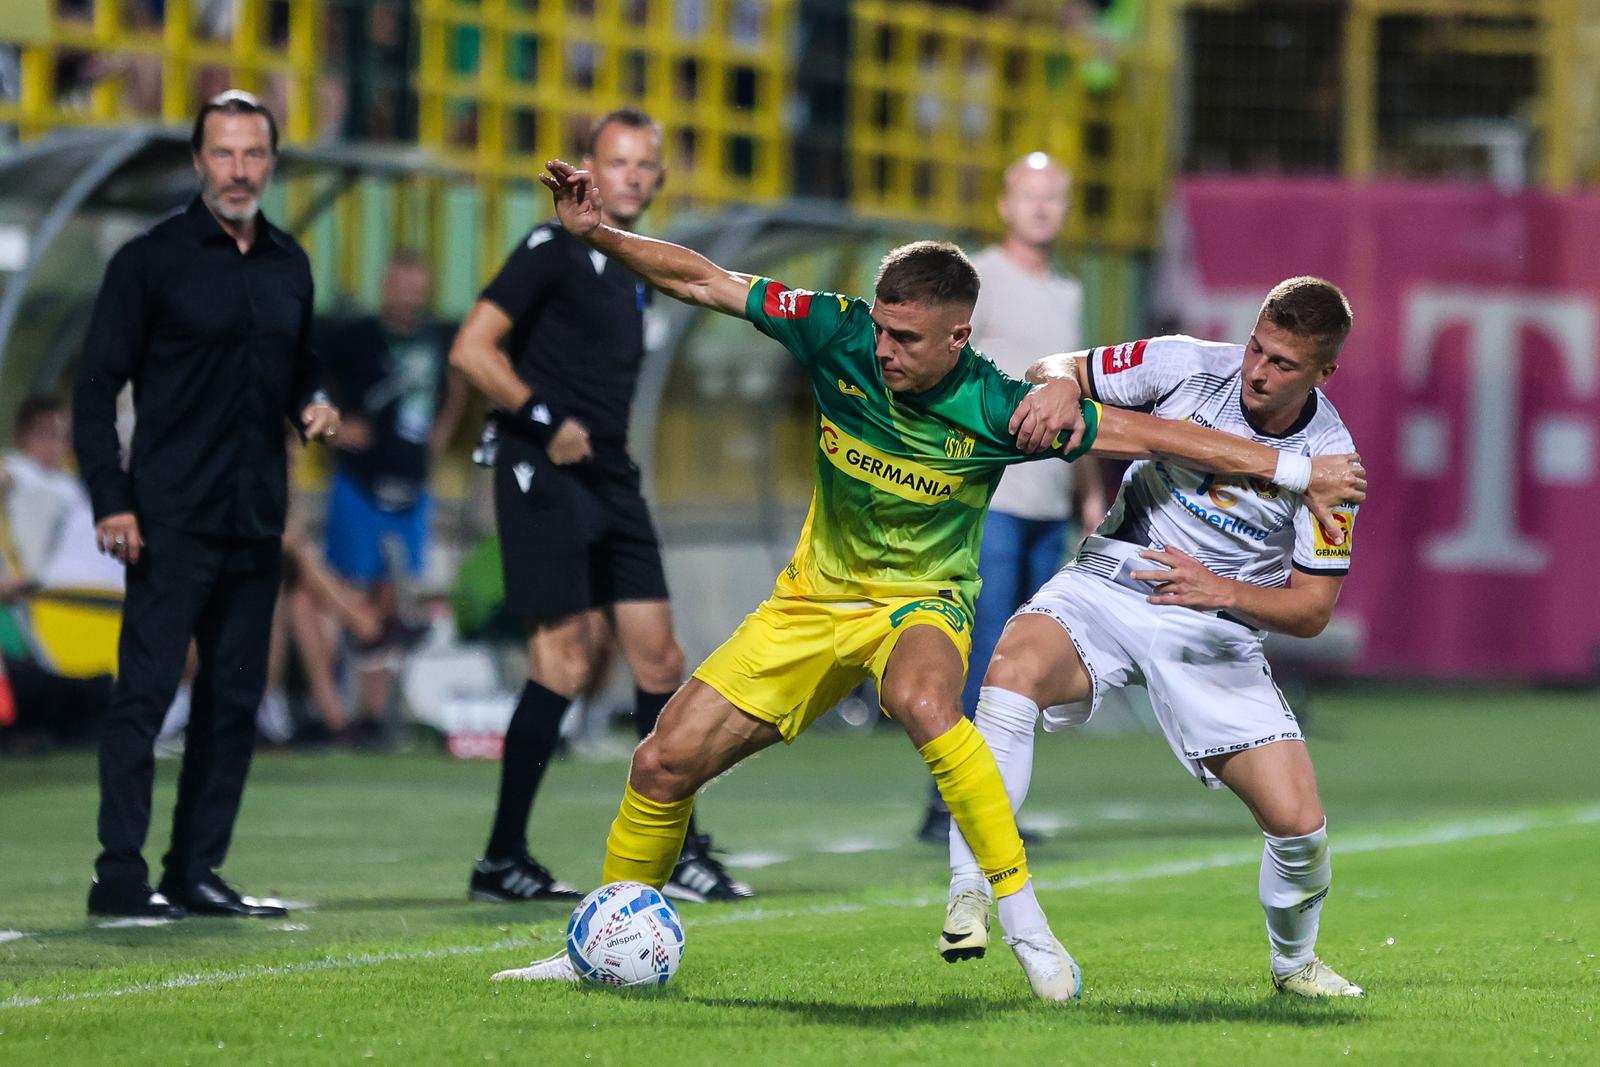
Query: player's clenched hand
x=576 y=196
x=1335 y=480
x=1046 y=412
x=570 y=444
x=1185 y=581
x=118 y=537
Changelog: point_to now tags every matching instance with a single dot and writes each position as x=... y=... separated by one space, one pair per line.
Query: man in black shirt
x=575 y=534
x=390 y=376
x=208 y=314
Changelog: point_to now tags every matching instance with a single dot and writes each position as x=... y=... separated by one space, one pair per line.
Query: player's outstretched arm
x=680 y=272
x=1329 y=482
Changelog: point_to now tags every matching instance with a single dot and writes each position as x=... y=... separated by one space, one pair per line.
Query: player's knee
x=1295 y=819
x=924 y=711
x=662 y=772
x=1013 y=669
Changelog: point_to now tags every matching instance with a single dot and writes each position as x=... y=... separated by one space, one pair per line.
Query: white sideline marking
x=133 y=921
x=13 y=935
x=850 y=846
x=1448 y=833
x=265 y=970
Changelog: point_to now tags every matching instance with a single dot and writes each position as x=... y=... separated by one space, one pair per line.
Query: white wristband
x=1293 y=473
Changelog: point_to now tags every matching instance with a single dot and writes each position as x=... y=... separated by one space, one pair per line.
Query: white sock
x=1005 y=720
x=1295 y=875
x=177 y=717
x=1020 y=914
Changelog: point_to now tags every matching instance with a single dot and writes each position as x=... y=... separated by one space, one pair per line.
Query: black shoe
x=136 y=901
x=212 y=896
x=700 y=876
x=935 y=830
x=516 y=879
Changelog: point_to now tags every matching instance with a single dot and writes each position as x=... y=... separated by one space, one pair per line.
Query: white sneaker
x=966 y=926
x=557 y=968
x=1317 y=979
x=1051 y=970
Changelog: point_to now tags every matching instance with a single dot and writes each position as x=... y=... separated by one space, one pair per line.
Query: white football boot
x=966 y=926
x=1317 y=979
x=1051 y=970
x=557 y=968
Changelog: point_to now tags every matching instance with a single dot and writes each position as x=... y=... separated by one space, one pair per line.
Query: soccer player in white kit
x=1175 y=590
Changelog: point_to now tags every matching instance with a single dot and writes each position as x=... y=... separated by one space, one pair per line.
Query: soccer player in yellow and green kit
x=913 y=430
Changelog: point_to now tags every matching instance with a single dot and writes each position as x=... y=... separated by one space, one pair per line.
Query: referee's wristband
x=538 y=420
x=1293 y=473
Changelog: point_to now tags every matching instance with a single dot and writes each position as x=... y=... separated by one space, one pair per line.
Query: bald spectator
x=1026 y=309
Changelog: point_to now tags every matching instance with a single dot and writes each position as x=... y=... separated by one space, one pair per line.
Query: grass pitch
x=1466 y=836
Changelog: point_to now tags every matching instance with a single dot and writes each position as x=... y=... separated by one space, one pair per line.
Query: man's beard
x=222 y=209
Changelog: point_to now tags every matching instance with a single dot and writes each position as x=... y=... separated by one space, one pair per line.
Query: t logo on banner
x=1488 y=537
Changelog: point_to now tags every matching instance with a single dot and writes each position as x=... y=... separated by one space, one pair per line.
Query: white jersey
x=1238 y=527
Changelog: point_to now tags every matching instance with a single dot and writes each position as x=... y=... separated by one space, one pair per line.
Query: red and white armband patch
x=1122 y=357
x=781 y=303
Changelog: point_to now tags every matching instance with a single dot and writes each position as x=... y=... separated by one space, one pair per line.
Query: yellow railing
x=158 y=72
x=1403 y=68
x=503 y=86
x=942 y=100
x=1544 y=31
x=939 y=100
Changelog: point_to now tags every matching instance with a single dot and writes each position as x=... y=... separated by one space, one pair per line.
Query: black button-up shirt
x=217 y=345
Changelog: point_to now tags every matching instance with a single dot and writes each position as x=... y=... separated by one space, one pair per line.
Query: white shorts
x=1209 y=682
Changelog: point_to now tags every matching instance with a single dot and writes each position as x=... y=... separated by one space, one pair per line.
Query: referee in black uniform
x=208 y=314
x=575 y=535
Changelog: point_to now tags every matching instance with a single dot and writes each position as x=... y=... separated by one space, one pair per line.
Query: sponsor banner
x=1471 y=383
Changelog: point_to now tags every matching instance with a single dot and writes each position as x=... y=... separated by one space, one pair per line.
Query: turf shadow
x=1274 y=1010
x=873 y=1016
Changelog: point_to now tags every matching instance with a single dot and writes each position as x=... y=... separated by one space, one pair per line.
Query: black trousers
x=221 y=591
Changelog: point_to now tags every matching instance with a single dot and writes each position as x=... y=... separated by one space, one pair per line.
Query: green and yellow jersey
x=903 y=481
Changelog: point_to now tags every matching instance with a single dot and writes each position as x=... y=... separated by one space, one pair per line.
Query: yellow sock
x=969 y=781
x=645 y=839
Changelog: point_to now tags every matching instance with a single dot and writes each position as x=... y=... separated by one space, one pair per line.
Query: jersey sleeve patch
x=781 y=303
x=1118 y=358
x=1325 y=551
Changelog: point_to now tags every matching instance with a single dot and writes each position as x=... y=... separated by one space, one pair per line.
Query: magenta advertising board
x=1472 y=385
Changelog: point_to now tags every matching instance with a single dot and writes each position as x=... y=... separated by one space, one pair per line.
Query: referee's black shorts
x=572 y=537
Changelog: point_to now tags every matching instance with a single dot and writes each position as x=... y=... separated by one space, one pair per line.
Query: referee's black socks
x=530 y=739
x=647 y=709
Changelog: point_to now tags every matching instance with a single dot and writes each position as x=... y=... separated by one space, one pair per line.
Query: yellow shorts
x=793 y=658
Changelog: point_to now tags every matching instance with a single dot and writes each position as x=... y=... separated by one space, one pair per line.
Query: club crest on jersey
x=851 y=390
x=1118 y=358
x=958 y=445
x=781 y=303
